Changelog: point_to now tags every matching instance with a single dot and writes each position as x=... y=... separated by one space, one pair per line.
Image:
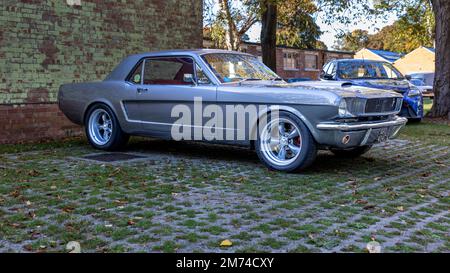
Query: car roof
x=128 y=63
x=360 y=61
x=200 y=51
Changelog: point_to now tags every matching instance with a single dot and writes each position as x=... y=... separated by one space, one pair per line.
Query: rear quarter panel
x=76 y=98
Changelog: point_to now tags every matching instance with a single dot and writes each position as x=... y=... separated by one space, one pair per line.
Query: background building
x=420 y=60
x=378 y=55
x=46 y=43
x=295 y=63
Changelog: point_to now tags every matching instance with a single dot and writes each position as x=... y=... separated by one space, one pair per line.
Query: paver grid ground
x=188 y=197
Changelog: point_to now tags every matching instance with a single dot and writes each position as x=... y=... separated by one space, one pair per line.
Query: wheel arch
x=286 y=109
x=94 y=103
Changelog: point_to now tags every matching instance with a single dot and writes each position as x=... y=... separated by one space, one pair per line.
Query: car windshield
x=230 y=67
x=368 y=70
x=417 y=82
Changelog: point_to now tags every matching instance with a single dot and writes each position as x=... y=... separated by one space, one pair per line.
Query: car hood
x=318 y=92
x=345 y=89
x=400 y=86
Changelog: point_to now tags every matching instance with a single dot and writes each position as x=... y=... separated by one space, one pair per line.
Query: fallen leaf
x=28 y=247
x=369 y=207
x=15 y=225
x=73 y=247
x=68 y=209
x=15 y=193
x=226 y=243
x=33 y=173
x=400 y=208
x=120 y=202
x=377 y=178
x=131 y=222
x=373 y=247
x=362 y=202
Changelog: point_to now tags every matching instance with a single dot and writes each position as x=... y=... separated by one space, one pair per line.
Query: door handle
x=142 y=90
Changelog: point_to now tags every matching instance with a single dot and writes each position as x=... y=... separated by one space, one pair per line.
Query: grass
x=427 y=131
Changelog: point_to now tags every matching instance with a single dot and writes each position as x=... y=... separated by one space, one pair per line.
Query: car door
x=170 y=83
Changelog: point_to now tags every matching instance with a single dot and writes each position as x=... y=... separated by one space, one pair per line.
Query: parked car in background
x=140 y=95
x=379 y=75
x=423 y=81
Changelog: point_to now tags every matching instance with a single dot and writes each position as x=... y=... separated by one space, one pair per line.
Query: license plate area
x=379 y=135
x=383 y=135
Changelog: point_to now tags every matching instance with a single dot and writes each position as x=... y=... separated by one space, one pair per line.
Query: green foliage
x=229 y=24
x=353 y=41
x=296 y=25
x=414 y=28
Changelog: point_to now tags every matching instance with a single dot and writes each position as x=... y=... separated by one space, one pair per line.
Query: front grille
x=381 y=105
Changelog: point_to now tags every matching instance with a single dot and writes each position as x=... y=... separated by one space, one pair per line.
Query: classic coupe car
x=380 y=75
x=146 y=95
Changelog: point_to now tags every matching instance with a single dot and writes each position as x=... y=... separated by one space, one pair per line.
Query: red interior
x=187 y=68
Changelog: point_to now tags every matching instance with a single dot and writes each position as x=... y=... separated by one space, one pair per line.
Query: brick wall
x=44 y=43
x=300 y=70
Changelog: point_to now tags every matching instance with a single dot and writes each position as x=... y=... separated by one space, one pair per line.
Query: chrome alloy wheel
x=100 y=126
x=281 y=142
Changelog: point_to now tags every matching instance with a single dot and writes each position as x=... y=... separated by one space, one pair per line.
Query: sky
x=329 y=35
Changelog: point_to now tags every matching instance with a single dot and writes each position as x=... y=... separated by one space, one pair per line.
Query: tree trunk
x=269 y=33
x=233 y=39
x=441 y=104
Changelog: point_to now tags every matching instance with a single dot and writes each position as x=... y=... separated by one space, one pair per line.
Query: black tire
x=307 y=154
x=118 y=139
x=415 y=120
x=351 y=153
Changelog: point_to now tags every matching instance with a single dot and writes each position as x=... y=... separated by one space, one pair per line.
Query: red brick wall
x=323 y=56
x=33 y=122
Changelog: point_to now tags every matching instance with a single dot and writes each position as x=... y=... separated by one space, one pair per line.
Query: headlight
x=414 y=91
x=343 y=110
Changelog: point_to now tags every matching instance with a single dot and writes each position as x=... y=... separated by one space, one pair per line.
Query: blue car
x=380 y=75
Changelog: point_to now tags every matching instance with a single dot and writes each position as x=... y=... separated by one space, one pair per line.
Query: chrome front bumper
x=347 y=135
x=398 y=121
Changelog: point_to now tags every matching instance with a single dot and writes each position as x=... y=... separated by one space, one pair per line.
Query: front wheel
x=352 y=152
x=285 y=144
x=103 y=130
x=415 y=120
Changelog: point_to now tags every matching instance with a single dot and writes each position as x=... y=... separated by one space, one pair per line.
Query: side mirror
x=408 y=77
x=189 y=78
x=328 y=77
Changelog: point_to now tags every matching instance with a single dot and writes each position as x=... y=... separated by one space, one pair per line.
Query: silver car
x=232 y=98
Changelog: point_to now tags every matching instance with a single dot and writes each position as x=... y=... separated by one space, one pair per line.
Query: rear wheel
x=352 y=152
x=103 y=130
x=285 y=144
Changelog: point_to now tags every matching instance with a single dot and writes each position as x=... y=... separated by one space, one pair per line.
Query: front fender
x=284 y=108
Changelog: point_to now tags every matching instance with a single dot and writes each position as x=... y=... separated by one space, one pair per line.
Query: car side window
x=201 y=76
x=136 y=76
x=169 y=71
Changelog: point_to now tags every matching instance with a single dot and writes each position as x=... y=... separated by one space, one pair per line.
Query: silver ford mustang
x=233 y=98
